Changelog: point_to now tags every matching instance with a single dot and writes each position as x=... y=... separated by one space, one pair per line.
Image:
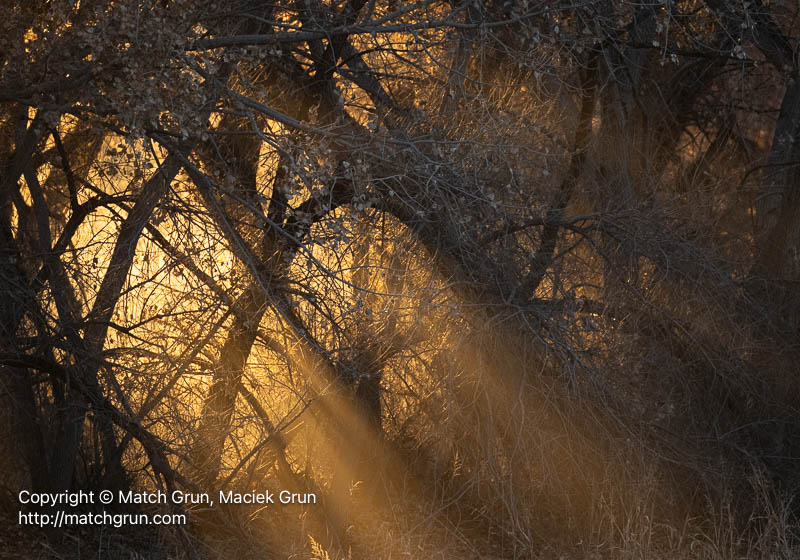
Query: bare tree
x=430 y=260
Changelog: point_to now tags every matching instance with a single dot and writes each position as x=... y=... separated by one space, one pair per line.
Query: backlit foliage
x=492 y=279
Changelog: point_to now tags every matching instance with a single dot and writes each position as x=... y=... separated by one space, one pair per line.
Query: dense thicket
x=493 y=279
